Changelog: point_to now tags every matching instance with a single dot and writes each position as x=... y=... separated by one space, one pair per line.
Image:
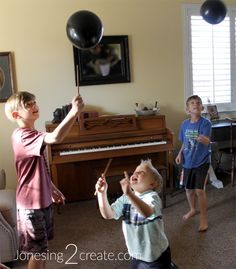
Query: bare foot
x=203 y=225
x=202 y=229
x=190 y=214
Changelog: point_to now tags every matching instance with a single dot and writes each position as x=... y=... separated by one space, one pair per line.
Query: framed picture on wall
x=6 y=76
x=106 y=63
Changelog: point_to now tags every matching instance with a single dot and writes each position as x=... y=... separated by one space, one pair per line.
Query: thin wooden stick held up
x=77 y=77
x=107 y=166
x=105 y=171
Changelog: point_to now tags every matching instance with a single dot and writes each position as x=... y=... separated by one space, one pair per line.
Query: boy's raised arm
x=64 y=127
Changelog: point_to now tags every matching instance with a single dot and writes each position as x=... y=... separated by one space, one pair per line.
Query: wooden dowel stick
x=107 y=166
x=105 y=171
x=77 y=77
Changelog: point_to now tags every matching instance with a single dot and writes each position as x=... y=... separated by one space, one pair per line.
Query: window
x=210 y=69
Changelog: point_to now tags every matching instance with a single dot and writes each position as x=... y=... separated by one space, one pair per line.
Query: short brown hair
x=195 y=97
x=16 y=101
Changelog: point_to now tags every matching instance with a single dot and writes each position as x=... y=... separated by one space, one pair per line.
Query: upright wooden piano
x=78 y=161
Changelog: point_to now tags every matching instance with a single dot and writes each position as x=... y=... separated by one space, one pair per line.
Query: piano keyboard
x=115 y=147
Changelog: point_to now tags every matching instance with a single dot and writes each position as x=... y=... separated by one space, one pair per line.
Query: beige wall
x=35 y=31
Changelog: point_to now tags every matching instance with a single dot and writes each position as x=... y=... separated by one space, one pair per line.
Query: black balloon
x=84 y=29
x=213 y=11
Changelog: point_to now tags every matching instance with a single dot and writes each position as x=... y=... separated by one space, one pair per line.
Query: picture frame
x=213 y=112
x=6 y=76
x=106 y=63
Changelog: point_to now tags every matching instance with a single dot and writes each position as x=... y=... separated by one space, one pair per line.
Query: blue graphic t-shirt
x=194 y=152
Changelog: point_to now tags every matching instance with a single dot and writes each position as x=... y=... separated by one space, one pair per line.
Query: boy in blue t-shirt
x=195 y=156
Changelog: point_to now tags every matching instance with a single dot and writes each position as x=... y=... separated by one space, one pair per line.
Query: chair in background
x=229 y=150
x=8 y=227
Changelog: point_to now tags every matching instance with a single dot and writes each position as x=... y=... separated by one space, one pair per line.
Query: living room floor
x=83 y=239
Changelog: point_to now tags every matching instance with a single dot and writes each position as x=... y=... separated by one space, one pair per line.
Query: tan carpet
x=84 y=240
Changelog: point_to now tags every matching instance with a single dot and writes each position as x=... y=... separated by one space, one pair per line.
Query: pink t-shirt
x=34 y=188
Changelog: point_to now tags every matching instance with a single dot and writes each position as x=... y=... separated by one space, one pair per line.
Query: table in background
x=221 y=131
x=220 y=139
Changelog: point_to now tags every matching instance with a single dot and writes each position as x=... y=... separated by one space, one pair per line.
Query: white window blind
x=210 y=58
